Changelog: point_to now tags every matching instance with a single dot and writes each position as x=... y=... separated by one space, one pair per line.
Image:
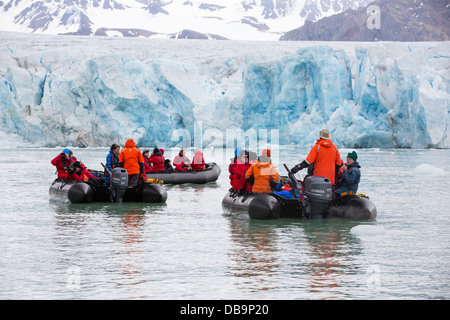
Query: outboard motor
x=119 y=184
x=318 y=196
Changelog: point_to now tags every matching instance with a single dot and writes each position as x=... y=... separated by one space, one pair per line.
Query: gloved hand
x=295 y=169
x=300 y=166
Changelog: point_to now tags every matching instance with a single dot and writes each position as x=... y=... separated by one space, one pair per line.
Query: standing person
x=180 y=158
x=198 y=162
x=325 y=157
x=131 y=159
x=351 y=176
x=265 y=175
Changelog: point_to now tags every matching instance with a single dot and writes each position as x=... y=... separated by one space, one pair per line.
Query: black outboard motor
x=318 y=196
x=119 y=184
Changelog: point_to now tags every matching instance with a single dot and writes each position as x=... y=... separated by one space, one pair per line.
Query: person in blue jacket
x=112 y=159
x=349 y=181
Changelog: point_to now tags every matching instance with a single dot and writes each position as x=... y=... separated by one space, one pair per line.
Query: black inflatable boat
x=210 y=174
x=117 y=191
x=317 y=202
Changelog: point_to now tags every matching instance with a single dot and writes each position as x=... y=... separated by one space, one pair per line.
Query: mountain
x=401 y=20
x=199 y=19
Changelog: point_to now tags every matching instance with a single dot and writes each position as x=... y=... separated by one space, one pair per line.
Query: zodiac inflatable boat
x=210 y=174
x=316 y=202
x=117 y=191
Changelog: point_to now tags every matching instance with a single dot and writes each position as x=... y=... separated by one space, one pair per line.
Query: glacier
x=91 y=91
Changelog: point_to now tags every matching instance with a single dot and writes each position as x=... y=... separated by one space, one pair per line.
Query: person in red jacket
x=198 y=163
x=239 y=183
x=233 y=164
x=180 y=158
x=81 y=173
x=62 y=163
x=183 y=166
x=157 y=161
x=147 y=164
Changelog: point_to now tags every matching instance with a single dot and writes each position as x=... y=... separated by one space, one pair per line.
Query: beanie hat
x=66 y=151
x=352 y=155
x=266 y=152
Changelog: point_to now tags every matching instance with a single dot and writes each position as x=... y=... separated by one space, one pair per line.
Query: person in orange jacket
x=264 y=175
x=324 y=155
x=131 y=159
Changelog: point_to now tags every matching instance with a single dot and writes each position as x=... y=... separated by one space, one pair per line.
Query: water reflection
x=254 y=254
x=312 y=256
x=332 y=247
x=103 y=240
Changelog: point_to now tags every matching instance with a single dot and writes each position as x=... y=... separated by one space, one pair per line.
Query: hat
x=77 y=164
x=352 y=155
x=324 y=134
x=237 y=151
x=266 y=152
x=161 y=150
x=66 y=151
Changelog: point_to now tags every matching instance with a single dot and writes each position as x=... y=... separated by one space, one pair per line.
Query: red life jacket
x=158 y=162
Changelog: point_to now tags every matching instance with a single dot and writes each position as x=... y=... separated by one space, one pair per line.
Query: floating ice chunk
x=428 y=169
x=368 y=230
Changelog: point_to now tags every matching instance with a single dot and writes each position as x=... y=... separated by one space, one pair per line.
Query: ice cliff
x=75 y=91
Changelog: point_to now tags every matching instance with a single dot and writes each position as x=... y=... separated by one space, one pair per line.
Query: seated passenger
x=183 y=166
x=350 y=177
x=239 y=183
x=198 y=162
x=232 y=165
x=81 y=173
x=62 y=163
x=157 y=161
x=180 y=158
x=147 y=164
x=168 y=166
x=112 y=159
x=263 y=174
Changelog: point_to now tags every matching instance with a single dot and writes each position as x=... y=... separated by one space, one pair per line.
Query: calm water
x=188 y=248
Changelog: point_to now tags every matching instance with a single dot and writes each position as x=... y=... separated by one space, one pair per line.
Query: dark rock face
x=402 y=20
